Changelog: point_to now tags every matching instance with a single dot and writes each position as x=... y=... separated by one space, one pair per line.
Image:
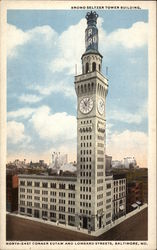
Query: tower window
x=87 y=67
x=93 y=66
x=99 y=67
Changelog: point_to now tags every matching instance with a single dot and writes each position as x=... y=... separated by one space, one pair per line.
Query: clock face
x=86 y=105
x=101 y=106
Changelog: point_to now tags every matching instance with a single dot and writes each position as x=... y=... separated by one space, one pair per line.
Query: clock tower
x=91 y=89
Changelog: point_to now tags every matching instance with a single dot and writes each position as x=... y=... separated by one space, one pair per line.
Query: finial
x=91 y=18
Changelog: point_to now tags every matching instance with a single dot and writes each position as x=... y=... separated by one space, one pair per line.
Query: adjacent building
x=11 y=191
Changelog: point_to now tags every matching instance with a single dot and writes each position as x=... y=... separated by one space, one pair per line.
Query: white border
x=151 y=6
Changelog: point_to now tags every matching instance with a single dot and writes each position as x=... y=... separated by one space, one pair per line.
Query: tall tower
x=91 y=89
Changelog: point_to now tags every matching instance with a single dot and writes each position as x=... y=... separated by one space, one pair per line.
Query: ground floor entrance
x=85 y=222
x=100 y=222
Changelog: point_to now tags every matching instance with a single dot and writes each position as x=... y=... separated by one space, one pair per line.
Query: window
x=108 y=206
x=108 y=193
x=99 y=181
x=87 y=68
x=45 y=185
x=45 y=206
x=29 y=191
x=53 y=207
x=93 y=66
x=29 y=197
x=62 y=216
x=71 y=186
x=108 y=200
x=61 y=194
x=22 y=209
x=99 y=203
x=53 y=193
x=37 y=184
x=29 y=183
x=99 y=173
x=100 y=137
x=61 y=209
x=22 y=196
x=36 y=213
x=53 y=215
x=29 y=211
x=45 y=199
x=62 y=186
x=22 y=190
x=22 y=202
x=37 y=198
x=22 y=183
x=100 y=159
x=29 y=204
x=36 y=204
x=61 y=201
x=100 y=167
x=36 y=191
x=71 y=218
x=100 y=152
x=53 y=200
x=44 y=213
x=44 y=192
x=108 y=215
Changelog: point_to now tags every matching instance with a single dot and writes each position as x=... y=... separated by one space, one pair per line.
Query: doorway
x=85 y=222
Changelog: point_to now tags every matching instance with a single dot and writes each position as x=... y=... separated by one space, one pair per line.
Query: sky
x=43 y=47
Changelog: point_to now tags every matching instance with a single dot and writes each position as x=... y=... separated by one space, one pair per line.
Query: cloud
x=71 y=46
x=49 y=34
x=22 y=112
x=16 y=133
x=63 y=87
x=30 y=98
x=131 y=38
x=57 y=127
x=15 y=38
x=129 y=143
x=130 y=118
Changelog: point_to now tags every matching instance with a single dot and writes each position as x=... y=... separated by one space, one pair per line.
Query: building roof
x=59 y=178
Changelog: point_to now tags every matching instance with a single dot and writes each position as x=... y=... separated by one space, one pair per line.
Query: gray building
x=88 y=200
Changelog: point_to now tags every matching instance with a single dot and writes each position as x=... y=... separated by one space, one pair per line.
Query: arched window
x=81 y=89
x=93 y=66
x=85 y=88
x=92 y=85
x=89 y=86
x=87 y=67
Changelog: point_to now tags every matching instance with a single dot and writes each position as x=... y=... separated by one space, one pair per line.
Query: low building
x=53 y=198
x=11 y=192
x=119 y=196
x=48 y=197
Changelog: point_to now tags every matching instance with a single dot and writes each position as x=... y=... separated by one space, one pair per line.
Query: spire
x=91 y=33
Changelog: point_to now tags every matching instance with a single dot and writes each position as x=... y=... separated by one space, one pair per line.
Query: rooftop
x=62 y=178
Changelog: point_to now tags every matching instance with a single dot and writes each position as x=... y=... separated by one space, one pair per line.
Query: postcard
x=78 y=125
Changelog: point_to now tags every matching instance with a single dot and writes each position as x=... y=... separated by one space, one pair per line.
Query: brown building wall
x=11 y=192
